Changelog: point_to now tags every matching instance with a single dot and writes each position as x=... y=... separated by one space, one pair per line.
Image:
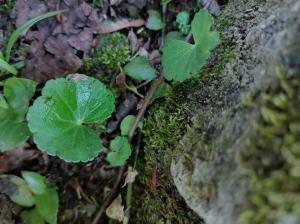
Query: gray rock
x=213 y=184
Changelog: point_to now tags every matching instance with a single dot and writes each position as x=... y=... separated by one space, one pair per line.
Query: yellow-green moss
x=106 y=59
x=272 y=157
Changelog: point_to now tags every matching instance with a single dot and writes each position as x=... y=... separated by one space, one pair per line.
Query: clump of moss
x=111 y=53
x=114 y=50
x=272 y=158
x=6 y=6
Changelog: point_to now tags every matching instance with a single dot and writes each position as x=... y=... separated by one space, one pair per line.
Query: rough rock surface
x=267 y=34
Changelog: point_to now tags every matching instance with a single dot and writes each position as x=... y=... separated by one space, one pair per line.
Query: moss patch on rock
x=164 y=127
x=272 y=157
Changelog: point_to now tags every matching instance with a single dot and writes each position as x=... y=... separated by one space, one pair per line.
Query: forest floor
x=50 y=50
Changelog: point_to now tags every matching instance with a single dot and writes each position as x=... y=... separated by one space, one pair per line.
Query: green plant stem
x=163 y=34
x=140 y=115
x=130 y=185
x=144 y=107
x=111 y=196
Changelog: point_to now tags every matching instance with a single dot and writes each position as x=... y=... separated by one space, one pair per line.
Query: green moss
x=272 y=157
x=164 y=127
x=107 y=58
x=7 y=6
x=112 y=53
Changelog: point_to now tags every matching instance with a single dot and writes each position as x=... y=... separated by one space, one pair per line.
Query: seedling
x=120 y=151
x=154 y=21
x=180 y=59
x=32 y=192
x=182 y=22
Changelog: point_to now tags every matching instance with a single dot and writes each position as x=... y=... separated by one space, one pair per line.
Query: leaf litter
x=57 y=47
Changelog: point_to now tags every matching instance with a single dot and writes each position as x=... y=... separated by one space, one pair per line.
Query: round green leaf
x=16 y=189
x=154 y=21
x=47 y=205
x=120 y=151
x=57 y=119
x=18 y=93
x=126 y=124
x=35 y=182
x=139 y=68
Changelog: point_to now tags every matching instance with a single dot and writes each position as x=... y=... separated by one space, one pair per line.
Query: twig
x=110 y=197
x=163 y=33
x=109 y=27
x=140 y=115
x=144 y=107
x=130 y=185
x=189 y=37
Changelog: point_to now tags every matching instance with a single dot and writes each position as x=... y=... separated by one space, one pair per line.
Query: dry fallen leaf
x=134 y=43
x=109 y=26
x=14 y=158
x=116 y=210
x=131 y=175
x=126 y=106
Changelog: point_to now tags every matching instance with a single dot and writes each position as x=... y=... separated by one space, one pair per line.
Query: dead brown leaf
x=108 y=26
x=57 y=46
x=15 y=158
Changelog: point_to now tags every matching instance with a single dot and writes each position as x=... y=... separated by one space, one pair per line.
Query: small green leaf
x=12 y=134
x=201 y=28
x=47 y=205
x=120 y=151
x=154 y=21
x=32 y=216
x=182 y=21
x=18 y=93
x=139 y=68
x=180 y=60
x=165 y=2
x=1 y=55
x=7 y=67
x=16 y=189
x=116 y=210
x=126 y=124
x=3 y=104
x=23 y=28
x=35 y=182
x=58 y=118
x=13 y=107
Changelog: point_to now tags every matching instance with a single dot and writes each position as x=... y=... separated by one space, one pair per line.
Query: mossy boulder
x=239 y=162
